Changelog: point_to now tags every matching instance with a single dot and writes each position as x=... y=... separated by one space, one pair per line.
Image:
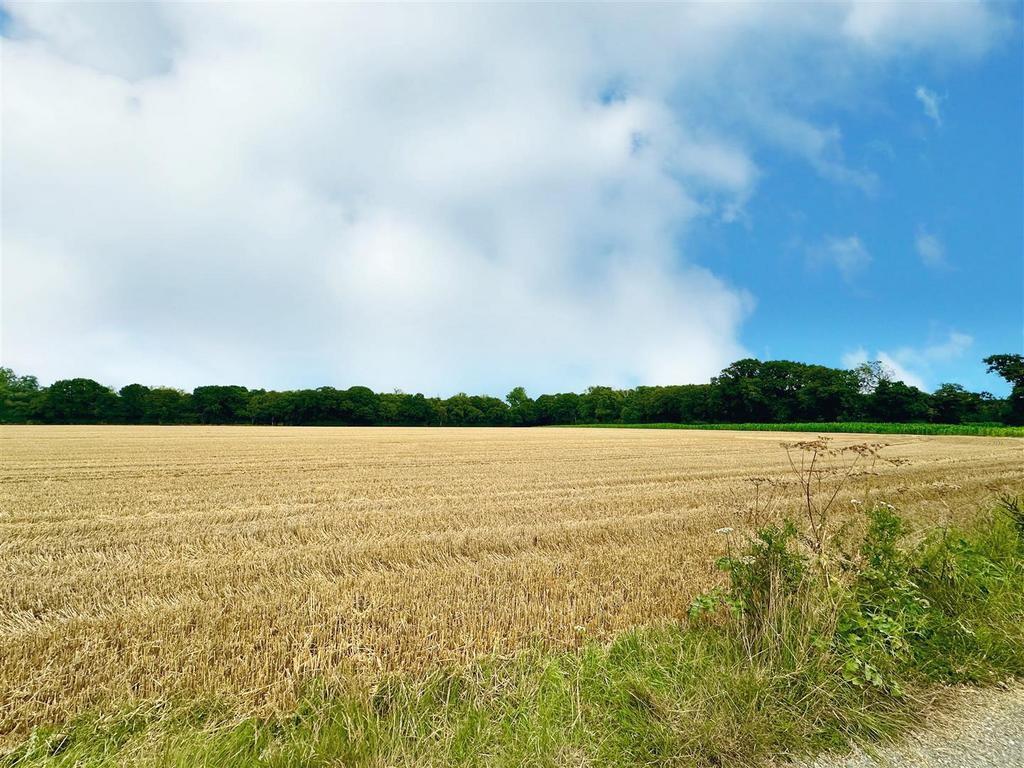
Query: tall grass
x=864 y=427
x=780 y=661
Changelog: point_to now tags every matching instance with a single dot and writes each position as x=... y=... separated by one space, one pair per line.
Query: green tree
x=827 y=394
x=738 y=393
x=134 y=403
x=414 y=410
x=461 y=412
x=894 y=401
x=521 y=409
x=221 y=405
x=601 y=404
x=870 y=374
x=494 y=410
x=17 y=394
x=77 y=401
x=360 y=406
x=953 y=404
x=266 y=407
x=1011 y=368
x=562 y=408
x=165 y=405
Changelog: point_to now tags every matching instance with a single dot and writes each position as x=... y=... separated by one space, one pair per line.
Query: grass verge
x=863 y=427
x=795 y=654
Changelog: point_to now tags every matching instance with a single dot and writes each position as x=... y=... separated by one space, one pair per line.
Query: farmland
x=242 y=563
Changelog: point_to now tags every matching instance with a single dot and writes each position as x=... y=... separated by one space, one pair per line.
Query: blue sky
x=959 y=182
x=472 y=198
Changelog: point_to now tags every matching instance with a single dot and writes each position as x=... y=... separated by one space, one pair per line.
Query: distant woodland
x=749 y=390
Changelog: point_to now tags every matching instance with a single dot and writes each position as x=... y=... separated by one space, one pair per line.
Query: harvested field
x=142 y=562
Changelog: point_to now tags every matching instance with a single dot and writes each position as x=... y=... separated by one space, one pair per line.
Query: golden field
x=162 y=562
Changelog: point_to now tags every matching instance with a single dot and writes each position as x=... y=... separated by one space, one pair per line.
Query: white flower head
x=724 y=530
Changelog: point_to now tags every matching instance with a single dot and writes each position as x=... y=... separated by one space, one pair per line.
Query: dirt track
x=984 y=730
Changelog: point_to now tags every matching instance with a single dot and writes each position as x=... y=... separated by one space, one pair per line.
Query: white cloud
x=961 y=29
x=930 y=102
x=952 y=348
x=901 y=373
x=855 y=357
x=931 y=249
x=820 y=147
x=915 y=366
x=124 y=39
x=428 y=197
x=846 y=254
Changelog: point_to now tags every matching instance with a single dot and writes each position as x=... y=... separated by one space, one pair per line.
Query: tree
x=134 y=402
x=414 y=410
x=520 y=408
x=438 y=412
x=266 y=407
x=17 y=394
x=389 y=406
x=1011 y=368
x=461 y=412
x=494 y=410
x=748 y=390
x=953 y=404
x=827 y=394
x=562 y=408
x=990 y=407
x=77 y=401
x=221 y=405
x=360 y=406
x=894 y=401
x=601 y=404
x=870 y=374
x=738 y=394
x=165 y=405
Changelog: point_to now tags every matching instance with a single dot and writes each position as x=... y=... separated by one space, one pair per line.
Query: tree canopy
x=749 y=390
x=1011 y=368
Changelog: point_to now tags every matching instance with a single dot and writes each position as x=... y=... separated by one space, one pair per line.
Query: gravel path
x=985 y=729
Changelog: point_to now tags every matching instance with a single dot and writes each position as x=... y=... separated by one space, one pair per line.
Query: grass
x=863 y=427
x=659 y=697
x=778 y=672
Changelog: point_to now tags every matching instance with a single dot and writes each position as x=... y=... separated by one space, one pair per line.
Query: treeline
x=747 y=391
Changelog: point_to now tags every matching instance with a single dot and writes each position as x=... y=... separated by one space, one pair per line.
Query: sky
x=471 y=198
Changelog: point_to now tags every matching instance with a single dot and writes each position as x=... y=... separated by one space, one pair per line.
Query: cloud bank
x=432 y=198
